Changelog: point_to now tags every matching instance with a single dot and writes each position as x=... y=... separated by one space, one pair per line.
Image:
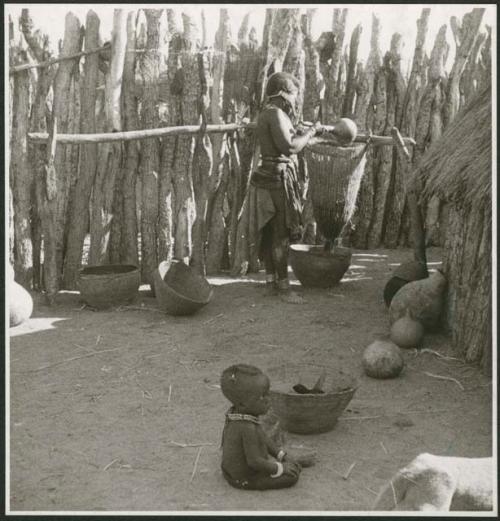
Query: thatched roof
x=457 y=167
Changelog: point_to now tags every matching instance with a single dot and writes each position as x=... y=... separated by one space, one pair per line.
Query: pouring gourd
x=423 y=298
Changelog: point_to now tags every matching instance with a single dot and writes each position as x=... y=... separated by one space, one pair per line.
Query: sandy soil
x=101 y=432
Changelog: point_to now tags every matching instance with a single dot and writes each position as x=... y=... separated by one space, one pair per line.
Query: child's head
x=247 y=388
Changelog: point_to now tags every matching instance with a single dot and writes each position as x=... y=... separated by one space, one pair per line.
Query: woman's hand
x=291 y=468
x=318 y=128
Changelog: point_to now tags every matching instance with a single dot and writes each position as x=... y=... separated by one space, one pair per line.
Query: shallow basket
x=109 y=285
x=180 y=289
x=317 y=268
x=310 y=413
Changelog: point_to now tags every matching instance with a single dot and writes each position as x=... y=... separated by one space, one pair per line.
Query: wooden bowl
x=317 y=268
x=109 y=285
x=310 y=413
x=180 y=289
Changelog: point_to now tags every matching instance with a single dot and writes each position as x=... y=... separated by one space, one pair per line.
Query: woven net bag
x=335 y=175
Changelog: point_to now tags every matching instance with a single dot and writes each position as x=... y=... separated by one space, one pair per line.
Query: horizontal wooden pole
x=75 y=139
x=52 y=61
x=131 y=135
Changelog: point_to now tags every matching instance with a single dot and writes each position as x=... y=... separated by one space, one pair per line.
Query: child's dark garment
x=246 y=451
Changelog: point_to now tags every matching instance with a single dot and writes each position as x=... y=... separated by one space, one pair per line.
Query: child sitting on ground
x=250 y=459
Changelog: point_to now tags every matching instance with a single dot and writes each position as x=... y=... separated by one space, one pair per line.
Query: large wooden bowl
x=180 y=289
x=109 y=285
x=310 y=413
x=317 y=268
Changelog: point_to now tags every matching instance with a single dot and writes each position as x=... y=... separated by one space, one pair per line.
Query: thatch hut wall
x=458 y=170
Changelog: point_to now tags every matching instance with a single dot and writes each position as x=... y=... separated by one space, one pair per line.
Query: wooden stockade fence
x=139 y=151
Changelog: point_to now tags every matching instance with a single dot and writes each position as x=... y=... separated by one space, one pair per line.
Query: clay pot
x=423 y=298
x=406 y=272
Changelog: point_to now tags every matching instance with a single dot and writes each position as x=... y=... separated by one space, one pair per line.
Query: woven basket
x=180 y=289
x=309 y=413
x=335 y=175
x=109 y=285
x=317 y=268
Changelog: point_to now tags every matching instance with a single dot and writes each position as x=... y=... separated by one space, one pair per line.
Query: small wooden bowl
x=310 y=413
x=180 y=289
x=109 y=285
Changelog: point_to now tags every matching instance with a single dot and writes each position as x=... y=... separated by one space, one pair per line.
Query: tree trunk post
x=79 y=210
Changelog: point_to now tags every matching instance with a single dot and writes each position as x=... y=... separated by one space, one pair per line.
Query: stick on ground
x=440 y=377
x=92 y=353
x=195 y=464
x=349 y=470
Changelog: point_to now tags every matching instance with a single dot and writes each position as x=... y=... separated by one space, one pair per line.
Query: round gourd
x=20 y=304
x=407 y=332
x=345 y=130
x=382 y=359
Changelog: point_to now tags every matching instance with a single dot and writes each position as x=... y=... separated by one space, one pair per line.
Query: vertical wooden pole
x=55 y=196
x=129 y=230
x=465 y=35
x=331 y=109
x=39 y=47
x=218 y=182
x=202 y=170
x=395 y=200
x=149 y=63
x=365 y=91
x=21 y=178
x=313 y=78
x=79 y=210
x=350 y=90
x=109 y=154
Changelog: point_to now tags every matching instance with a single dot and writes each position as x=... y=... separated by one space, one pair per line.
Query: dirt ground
x=103 y=432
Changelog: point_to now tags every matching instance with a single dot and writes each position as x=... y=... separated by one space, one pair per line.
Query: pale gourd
x=19 y=300
x=383 y=359
x=407 y=332
x=423 y=298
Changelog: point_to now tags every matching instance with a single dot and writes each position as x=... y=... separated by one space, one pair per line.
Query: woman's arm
x=284 y=136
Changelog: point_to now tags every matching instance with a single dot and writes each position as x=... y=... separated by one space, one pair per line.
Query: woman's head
x=283 y=85
x=247 y=388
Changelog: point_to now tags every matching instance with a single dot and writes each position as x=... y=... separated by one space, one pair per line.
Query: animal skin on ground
x=440 y=483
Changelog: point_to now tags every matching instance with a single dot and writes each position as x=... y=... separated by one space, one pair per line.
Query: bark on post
x=465 y=35
x=129 y=230
x=185 y=87
x=468 y=82
x=39 y=47
x=57 y=181
x=295 y=64
x=79 y=211
x=149 y=65
x=366 y=77
x=429 y=124
x=217 y=183
x=362 y=217
x=396 y=190
x=314 y=82
x=21 y=178
x=331 y=108
x=381 y=118
x=350 y=90
x=408 y=121
x=109 y=154
x=202 y=169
